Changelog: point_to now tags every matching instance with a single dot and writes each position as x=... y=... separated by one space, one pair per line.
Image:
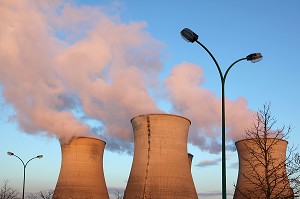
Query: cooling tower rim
x=92 y=138
x=163 y=114
x=261 y=138
x=73 y=138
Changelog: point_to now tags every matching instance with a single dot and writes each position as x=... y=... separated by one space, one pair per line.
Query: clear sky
x=87 y=67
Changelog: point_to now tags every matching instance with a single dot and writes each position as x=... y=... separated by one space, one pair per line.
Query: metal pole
x=23 y=182
x=190 y=36
x=24 y=174
x=223 y=78
x=24 y=168
x=223 y=142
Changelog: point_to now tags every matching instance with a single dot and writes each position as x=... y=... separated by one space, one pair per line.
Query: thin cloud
x=234 y=165
x=212 y=194
x=207 y=163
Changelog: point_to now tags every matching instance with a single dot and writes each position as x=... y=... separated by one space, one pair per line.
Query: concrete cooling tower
x=160 y=167
x=81 y=175
x=252 y=173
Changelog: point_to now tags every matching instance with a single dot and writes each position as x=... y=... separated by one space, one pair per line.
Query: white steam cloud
x=203 y=108
x=63 y=66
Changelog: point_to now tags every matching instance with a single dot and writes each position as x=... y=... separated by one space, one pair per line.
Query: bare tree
x=293 y=170
x=46 y=194
x=267 y=175
x=6 y=192
x=117 y=194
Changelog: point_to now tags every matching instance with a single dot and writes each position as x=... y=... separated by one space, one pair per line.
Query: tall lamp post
x=24 y=166
x=190 y=36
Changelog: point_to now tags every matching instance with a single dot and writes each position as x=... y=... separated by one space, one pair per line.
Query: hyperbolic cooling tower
x=81 y=175
x=249 y=173
x=160 y=167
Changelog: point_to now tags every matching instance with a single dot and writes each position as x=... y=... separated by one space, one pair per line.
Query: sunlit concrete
x=251 y=176
x=161 y=167
x=81 y=175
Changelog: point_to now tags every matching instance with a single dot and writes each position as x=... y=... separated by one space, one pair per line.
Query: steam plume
x=73 y=71
x=204 y=108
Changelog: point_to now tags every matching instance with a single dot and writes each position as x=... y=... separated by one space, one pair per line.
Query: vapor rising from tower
x=72 y=70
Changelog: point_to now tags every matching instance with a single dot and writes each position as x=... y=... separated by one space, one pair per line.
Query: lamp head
x=189 y=35
x=254 y=57
x=10 y=153
x=40 y=156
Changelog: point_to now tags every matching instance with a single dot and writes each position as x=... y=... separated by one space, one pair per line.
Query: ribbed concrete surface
x=81 y=175
x=161 y=167
x=277 y=153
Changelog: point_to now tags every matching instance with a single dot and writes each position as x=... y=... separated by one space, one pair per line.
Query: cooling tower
x=81 y=175
x=160 y=167
x=252 y=175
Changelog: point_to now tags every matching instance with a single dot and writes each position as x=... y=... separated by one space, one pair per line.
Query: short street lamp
x=24 y=165
x=190 y=36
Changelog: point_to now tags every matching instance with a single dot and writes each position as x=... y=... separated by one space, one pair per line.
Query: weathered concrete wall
x=161 y=167
x=251 y=166
x=81 y=175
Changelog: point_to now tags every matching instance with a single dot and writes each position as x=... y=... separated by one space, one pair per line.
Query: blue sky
x=231 y=30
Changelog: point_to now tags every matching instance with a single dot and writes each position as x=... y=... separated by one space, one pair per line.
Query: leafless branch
x=6 y=192
x=263 y=167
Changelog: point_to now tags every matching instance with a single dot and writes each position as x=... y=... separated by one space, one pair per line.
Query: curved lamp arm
x=12 y=154
x=192 y=37
x=211 y=55
x=231 y=67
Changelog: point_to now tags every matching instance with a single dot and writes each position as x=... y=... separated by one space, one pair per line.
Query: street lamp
x=190 y=36
x=24 y=165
